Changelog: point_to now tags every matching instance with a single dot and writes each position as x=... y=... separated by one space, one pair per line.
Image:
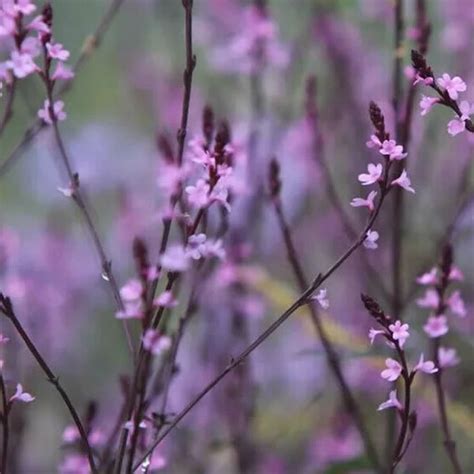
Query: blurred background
x=283 y=404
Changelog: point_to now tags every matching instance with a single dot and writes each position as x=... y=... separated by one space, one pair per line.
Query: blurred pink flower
x=426 y=366
x=155 y=342
x=21 y=64
x=57 y=51
x=426 y=103
x=393 y=370
x=391 y=402
x=373 y=333
x=400 y=332
x=369 y=202
x=447 y=357
x=371 y=238
x=429 y=300
x=436 y=326
x=21 y=396
x=59 y=113
x=456 y=304
x=404 y=182
x=429 y=278
x=175 y=259
x=374 y=174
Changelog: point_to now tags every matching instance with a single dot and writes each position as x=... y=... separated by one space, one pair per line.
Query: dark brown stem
x=91 y=43
x=8 y=110
x=301 y=301
x=6 y=431
x=331 y=354
x=7 y=309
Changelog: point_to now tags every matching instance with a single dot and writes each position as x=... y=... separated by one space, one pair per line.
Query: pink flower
x=21 y=396
x=456 y=304
x=155 y=342
x=426 y=366
x=429 y=300
x=21 y=64
x=391 y=402
x=57 y=51
x=38 y=25
x=215 y=248
x=427 y=81
x=373 y=142
x=447 y=357
x=196 y=247
x=400 y=332
x=452 y=86
x=369 y=202
x=175 y=259
x=394 y=151
x=7 y=24
x=31 y=46
x=466 y=109
x=456 y=126
x=197 y=153
x=456 y=274
x=25 y=7
x=429 y=278
x=426 y=103
x=70 y=434
x=3 y=339
x=166 y=300
x=62 y=72
x=371 y=239
x=373 y=333
x=132 y=290
x=321 y=298
x=59 y=113
x=393 y=370
x=436 y=326
x=198 y=196
x=74 y=464
x=374 y=174
x=404 y=182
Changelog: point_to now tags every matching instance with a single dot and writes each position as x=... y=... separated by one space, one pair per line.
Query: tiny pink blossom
x=452 y=85
x=392 y=402
x=198 y=195
x=62 y=72
x=70 y=434
x=59 y=113
x=132 y=290
x=374 y=174
x=429 y=300
x=427 y=81
x=456 y=274
x=175 y=259
x=373 y=142
x=21 y=64
x=57 y=51
x=404 y=182
x=426 y=366
x=447 y=357
x=3 y=339
x=166 y=300
x=129 y=425
x=400 y=332
x=393 y=370
x=26 y=7
x=391 y=149
x=426 y=103
x=21 y=396
x=436 y=326
x=456 y=126
x=321 y=298
x=466 y=109
x=7 y=24
x=373 y=333
x=38 y=25
x=31 y=46
x=196 y=247
x=456 y=304
x=155 y=342
x=371 y=238
x=369 y=202
x=429 y=278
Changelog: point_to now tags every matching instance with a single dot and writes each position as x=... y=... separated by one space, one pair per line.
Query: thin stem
x=7 y=309
x=91 y=43
x=8 y=110
x=5 y=412
x=331 y=354
x=301 y=301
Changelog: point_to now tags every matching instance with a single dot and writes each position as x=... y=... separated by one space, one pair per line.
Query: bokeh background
x=129 y=91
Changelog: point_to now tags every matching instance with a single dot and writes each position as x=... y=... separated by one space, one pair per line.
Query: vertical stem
x=5 y=410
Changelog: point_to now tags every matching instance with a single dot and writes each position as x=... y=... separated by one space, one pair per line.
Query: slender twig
x=301 y=301
x=8 y=108
x=143 y=357
x=6 y=308
x=91 y=43
x=441 y=288
x=331 y=354
x=5 y=425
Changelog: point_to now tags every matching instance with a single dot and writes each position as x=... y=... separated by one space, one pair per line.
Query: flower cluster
x=27 y=38
x=396 y=334
x=379 y=173
x=436 y=299
x=448 y=89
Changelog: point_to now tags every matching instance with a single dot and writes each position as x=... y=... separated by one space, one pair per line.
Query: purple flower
x=404 y=182
x=436 y=326
x=392 y=402
x=452 y=86
x=393 y=370
x=426 y=366
x=400 y=332
x=373 y=175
